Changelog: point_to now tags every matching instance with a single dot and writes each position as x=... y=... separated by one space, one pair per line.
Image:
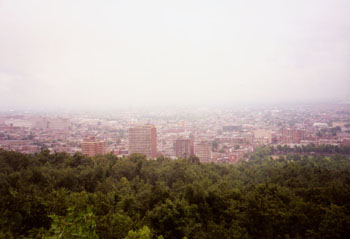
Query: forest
x=73 y=196
x=311 y=149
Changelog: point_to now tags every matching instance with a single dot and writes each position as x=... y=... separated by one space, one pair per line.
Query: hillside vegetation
x=62 y=196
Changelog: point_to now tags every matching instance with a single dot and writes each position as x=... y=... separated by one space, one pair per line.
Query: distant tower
x=183 y=147
x=143 y=140
x=92 y=147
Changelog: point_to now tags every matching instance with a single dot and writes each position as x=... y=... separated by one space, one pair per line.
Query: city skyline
x=84 y=54
x=221 y=135
x=175 y=119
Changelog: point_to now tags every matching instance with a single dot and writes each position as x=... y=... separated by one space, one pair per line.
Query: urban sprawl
x=213 y=135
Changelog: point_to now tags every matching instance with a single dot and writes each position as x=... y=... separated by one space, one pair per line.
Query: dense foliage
x=62 y=196
x=311 y=148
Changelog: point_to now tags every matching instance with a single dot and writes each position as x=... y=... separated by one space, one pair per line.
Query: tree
x=143 y=233
x=73 y=225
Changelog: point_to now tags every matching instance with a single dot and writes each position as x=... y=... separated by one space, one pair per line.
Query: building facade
x=92 y=147
x=262 y=136
x=143 y=140
x=184 y=147
x=292 y=136
x=203 y=151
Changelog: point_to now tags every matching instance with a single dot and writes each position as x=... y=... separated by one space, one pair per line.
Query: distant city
x=213 y=135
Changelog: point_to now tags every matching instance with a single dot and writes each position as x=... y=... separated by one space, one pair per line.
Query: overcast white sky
x=89 y=53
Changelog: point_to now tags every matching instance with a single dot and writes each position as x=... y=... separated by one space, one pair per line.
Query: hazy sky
x=89 y=53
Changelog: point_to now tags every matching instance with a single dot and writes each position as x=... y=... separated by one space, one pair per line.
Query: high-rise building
x=143 y=140
x=203 y=151
x=292 y=136
x=184 y=147
x=92 y=147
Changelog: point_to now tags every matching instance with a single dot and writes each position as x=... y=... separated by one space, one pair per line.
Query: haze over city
x=93 y=54
x=197 y=119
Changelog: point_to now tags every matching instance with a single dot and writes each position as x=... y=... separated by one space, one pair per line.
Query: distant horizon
x=235 y=105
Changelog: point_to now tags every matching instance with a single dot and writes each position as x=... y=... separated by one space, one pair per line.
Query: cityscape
x=200 y=119
x=213 y=135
